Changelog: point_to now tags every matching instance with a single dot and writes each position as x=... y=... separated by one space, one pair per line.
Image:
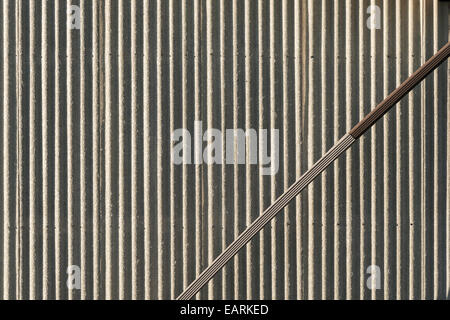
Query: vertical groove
x=226 y=100
x=33 y=180
x=414 y=47
x=339 y=167
x=9 y=106
x=111 y=152
x=47 y=249
x=137 y=216
x=86 y=159
x=365 y=153
x=199 y=256
x=388 y=160
x=96 y=147
x=60 y=209
x=377 y=213
x=147 y=146
x=238 y=122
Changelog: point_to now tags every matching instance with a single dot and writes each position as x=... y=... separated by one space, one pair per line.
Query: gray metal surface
x=340 y=147
x=86 y=175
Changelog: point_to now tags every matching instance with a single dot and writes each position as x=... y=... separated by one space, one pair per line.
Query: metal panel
x=87 y=177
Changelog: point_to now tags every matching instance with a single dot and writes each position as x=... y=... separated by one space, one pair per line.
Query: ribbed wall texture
x=87 y=177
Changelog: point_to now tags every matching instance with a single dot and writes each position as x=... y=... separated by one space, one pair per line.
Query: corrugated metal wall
x=85 y=137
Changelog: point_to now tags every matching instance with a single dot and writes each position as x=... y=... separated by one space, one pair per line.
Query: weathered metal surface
x=87 y=177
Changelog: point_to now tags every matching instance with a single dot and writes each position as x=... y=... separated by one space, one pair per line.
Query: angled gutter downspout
x=339 y=148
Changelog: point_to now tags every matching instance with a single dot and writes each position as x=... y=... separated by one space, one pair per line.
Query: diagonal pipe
x=340 y=147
